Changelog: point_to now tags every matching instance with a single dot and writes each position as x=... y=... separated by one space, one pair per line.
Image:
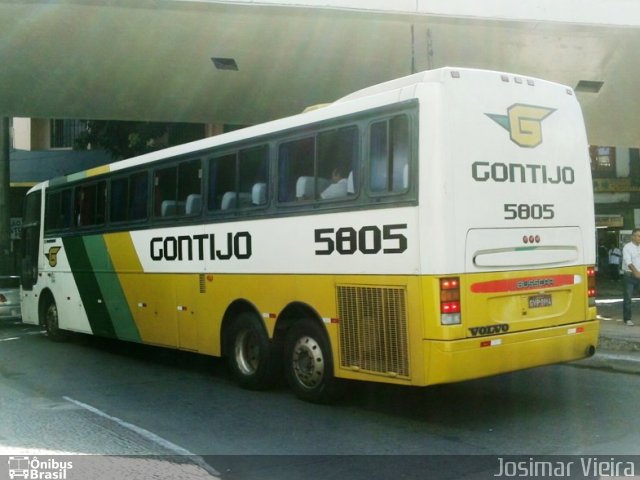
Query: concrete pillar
x=6 y=261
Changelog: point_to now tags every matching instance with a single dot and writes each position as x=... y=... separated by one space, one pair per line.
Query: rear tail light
x=591 y=286
x=450 y=301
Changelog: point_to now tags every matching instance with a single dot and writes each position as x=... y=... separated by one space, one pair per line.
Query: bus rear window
x=389 y=155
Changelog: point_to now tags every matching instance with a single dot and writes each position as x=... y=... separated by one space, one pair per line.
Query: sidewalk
x=614 y=334
x=619 y=345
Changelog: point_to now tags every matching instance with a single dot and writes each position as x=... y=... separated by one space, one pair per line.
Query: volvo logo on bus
x=524 y=123
x=489 y=330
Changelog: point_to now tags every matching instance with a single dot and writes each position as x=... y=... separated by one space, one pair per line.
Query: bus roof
x=369 y=97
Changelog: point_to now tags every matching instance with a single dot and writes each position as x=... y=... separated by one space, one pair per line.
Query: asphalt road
x=175 y=410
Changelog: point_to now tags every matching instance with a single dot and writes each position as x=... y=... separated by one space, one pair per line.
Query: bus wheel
x=51 y=321
x=252 y=358
x=309 y=365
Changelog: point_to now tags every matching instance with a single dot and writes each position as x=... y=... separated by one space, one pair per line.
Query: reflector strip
x=491 y=343
x=269 y=315
x=330 y=320
x=574 y=330
x=520 y=284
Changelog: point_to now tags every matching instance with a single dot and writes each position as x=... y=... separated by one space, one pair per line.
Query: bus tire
x=50 y=320
x=251 y=356
x=309 y=364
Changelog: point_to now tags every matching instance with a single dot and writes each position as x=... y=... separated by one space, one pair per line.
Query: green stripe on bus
x=90 y=294
x=112 y=293
x=100 y=290
x=76 y=176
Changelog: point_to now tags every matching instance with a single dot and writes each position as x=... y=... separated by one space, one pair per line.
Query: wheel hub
x=247 y=352
x=308 y=362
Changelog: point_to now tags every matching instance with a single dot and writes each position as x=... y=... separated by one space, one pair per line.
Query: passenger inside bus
x=338 y=188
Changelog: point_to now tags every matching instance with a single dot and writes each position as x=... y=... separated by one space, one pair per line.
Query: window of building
x=603 y=161
x=64 y=132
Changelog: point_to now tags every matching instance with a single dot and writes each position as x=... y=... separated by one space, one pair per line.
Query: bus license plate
x=539 y=301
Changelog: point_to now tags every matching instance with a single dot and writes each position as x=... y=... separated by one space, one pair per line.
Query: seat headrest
x=259 y=194
x=305 y=187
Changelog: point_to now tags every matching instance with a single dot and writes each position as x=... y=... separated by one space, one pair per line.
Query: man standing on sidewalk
x=631 y=270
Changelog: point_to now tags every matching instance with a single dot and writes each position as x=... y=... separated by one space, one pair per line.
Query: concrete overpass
x=244 y=62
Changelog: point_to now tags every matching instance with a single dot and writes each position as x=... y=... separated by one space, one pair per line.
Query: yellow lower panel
x=453 y=361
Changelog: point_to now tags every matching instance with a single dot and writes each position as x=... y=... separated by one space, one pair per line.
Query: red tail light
x=450 y=301
x=591 y=285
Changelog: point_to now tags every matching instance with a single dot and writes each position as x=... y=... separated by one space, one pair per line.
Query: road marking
x=18 y=338
x=197 y=459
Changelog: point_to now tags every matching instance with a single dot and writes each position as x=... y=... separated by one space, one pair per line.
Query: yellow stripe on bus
x=149 y=297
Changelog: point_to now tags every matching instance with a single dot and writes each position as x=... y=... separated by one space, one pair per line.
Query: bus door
x=30 y=240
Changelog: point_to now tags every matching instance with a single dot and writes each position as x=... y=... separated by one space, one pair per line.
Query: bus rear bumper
x=457 y=360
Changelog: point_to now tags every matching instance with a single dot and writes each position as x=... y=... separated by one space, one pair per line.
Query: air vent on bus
x=373 y=329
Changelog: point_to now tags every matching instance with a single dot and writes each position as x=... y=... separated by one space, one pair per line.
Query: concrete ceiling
x=151 y=59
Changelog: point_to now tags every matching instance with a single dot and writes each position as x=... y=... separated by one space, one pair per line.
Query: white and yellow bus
x=431 y=229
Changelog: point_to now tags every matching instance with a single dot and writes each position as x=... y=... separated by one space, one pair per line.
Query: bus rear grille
x=373 y=329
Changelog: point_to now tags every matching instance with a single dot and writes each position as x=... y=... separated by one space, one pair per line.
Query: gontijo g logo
x=524 y=123
x=52 y=256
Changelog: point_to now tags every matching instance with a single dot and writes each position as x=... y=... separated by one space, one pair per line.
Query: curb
x=620 y=345
x=622 y=362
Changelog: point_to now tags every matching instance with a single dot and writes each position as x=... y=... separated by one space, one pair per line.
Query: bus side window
x=138 y=195
x=58 y=210
x=101 y=203
x=90 y=204
x=338 y=153
x=164 y=184
x=253 y=177
x=119 y=199
x=128 y=199
x=222 y=183
x=190 y=187
x=65 y=209
x=295 y=170
x=389 y=155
